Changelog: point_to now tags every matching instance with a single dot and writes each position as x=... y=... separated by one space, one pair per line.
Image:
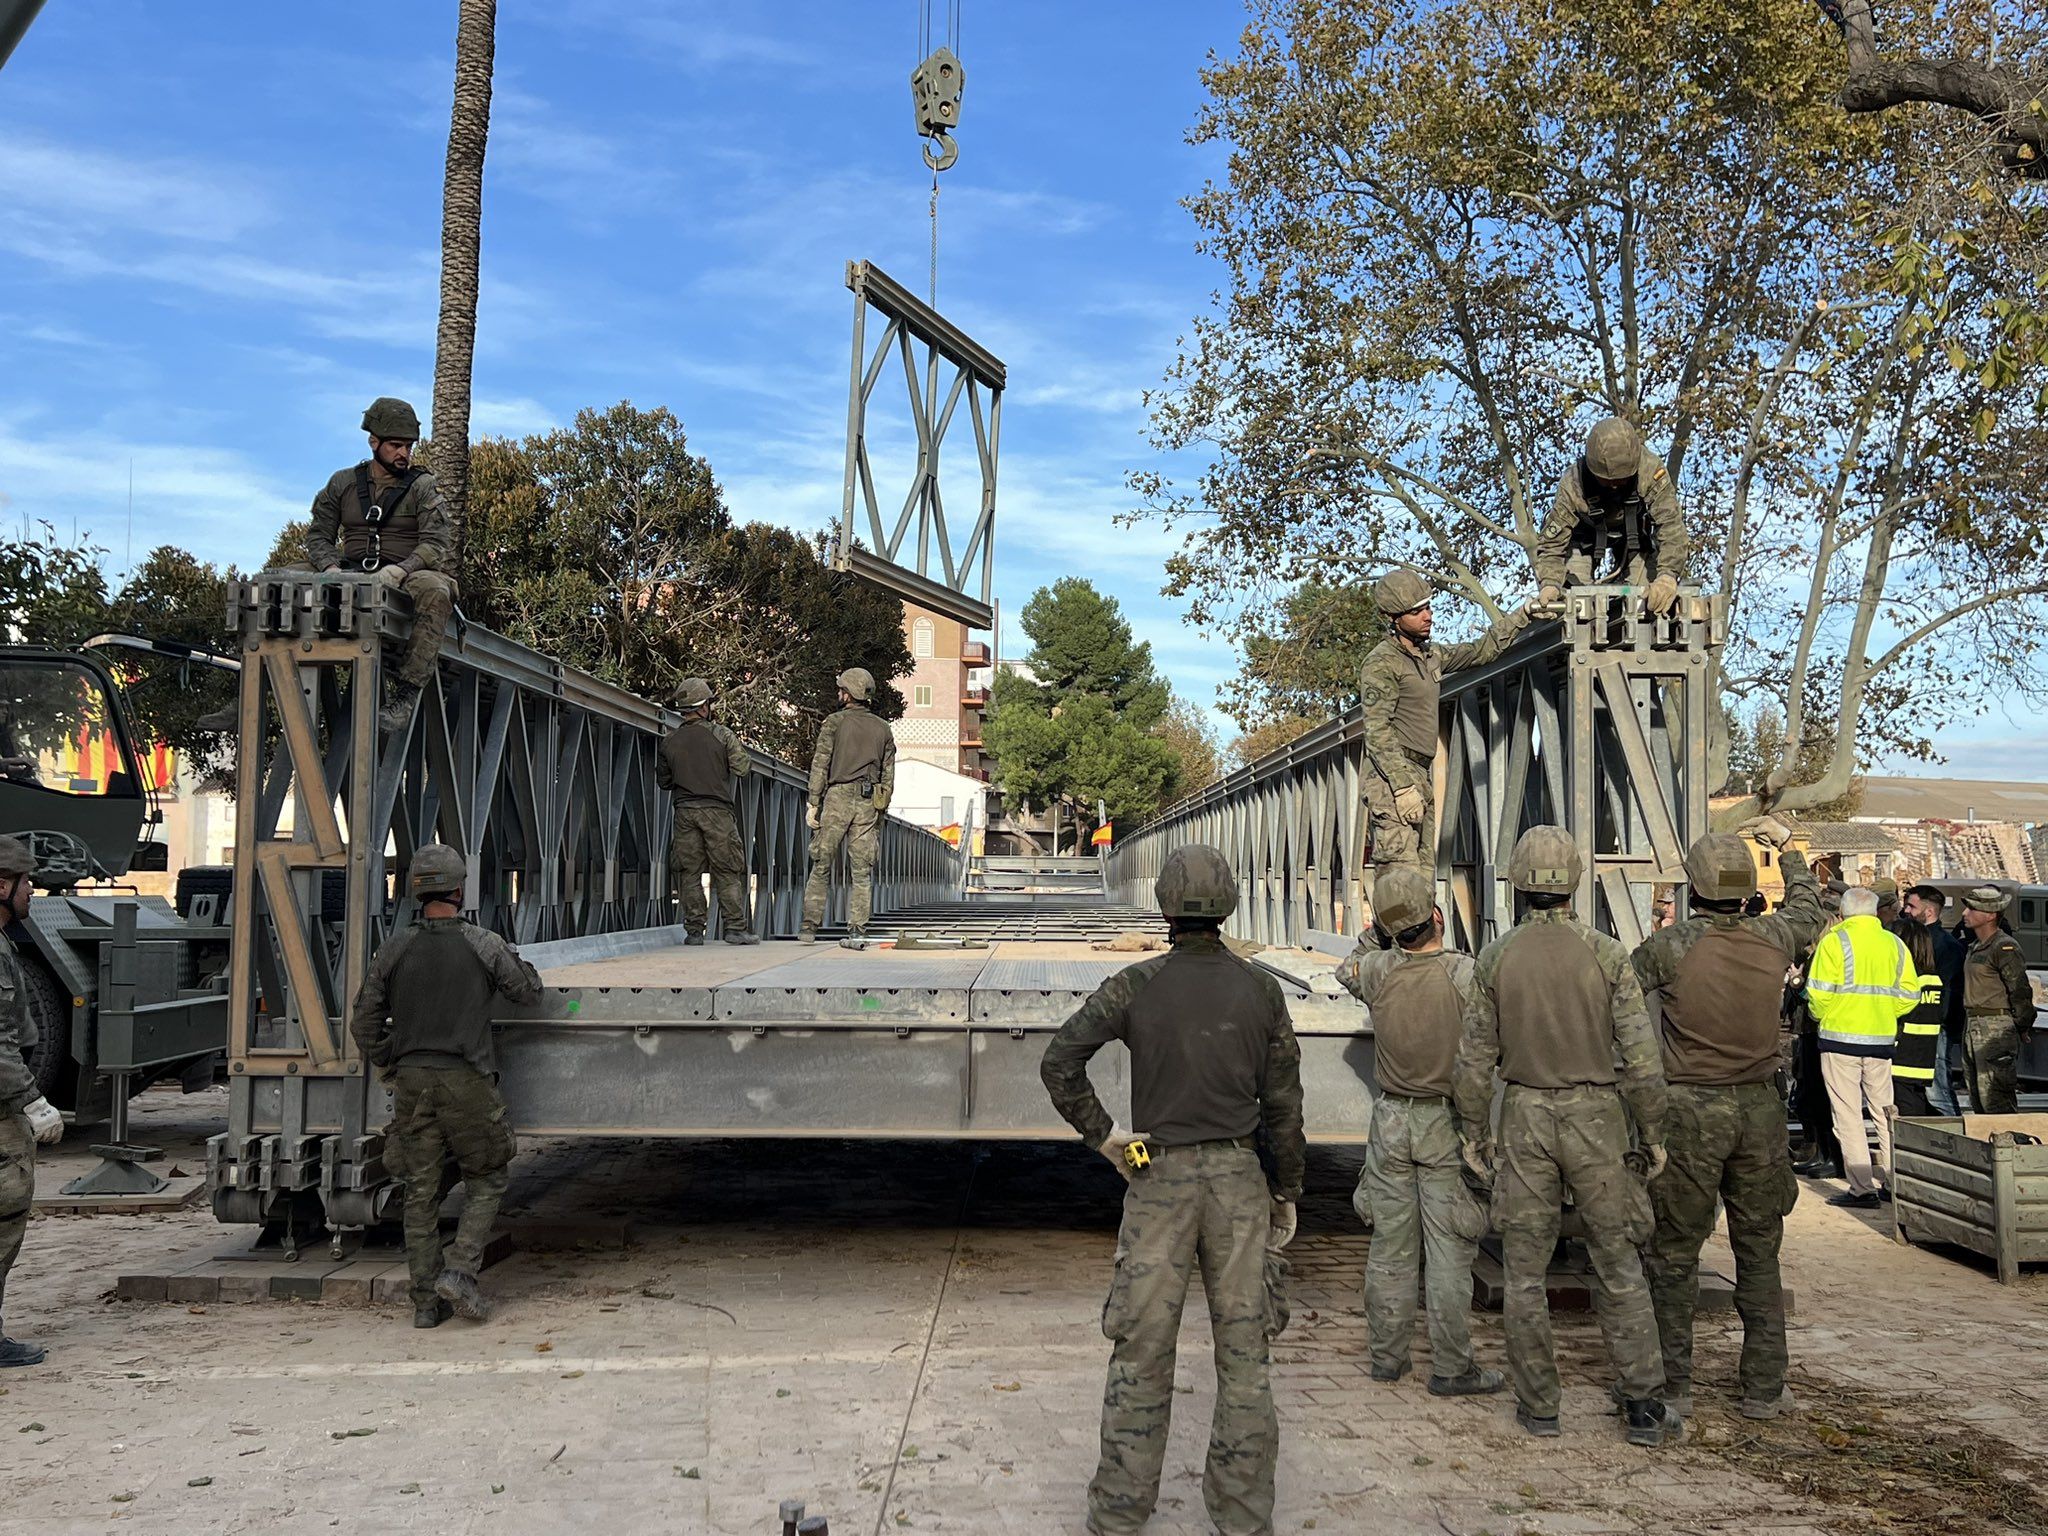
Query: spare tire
x=202 y=880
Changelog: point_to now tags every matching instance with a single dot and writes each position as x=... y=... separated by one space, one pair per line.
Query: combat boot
x=1542 y=1428
x=397 y=715
x=807 y=934
x=1392 y=1373
x=219 y=721
x=1783 y=1403
x=693 y=938
x=461 y=1290
x=1679 y=1403
x=855 y=939
x=432 y=1314
x=1651 y=1423
x=1476 y=1382
x=740 y=936
x=19 y=1352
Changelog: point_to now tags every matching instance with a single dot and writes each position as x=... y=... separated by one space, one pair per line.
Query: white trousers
x=1854 y=1082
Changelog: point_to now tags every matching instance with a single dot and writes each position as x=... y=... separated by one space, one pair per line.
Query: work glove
x=811 y=818
x=1285 y=1220
x=1767 y=830
x=392 y=575
x=1662 y=595
x=44 y=1120
x=1548 y=602
x=1479 y=1158
x=324 y=566
x=1112 y=1147
x=1409 y=805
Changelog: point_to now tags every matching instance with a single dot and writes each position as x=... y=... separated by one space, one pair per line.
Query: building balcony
x=974 y=654
x=975 y=698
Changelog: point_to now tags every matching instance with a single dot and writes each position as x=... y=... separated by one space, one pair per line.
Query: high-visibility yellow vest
x=1920 y=1033
x=1861 y=983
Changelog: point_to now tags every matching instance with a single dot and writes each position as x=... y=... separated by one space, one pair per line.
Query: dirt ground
x=906 y=1337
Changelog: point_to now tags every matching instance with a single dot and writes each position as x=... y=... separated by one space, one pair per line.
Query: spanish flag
x=951 y=833
x=1103 y=836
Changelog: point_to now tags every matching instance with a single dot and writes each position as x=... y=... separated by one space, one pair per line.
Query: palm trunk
x=462 y=213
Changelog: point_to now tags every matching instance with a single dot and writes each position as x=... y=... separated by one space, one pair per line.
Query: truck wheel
x=50 y=1063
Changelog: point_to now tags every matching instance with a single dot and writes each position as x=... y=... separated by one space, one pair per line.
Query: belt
x=1416 y=1098
x=1247 y=1143
x=1987 y=1013
x=1420 y=759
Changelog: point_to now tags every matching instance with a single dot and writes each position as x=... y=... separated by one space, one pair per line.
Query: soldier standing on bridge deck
x=1554 y=1006
x=696 y=765
x=385 y=518
x=26 y=1117
x=1615 y=511
x=1998 y=1002
x=1213 y=1060
x=853 y=774
x=423 y=1021
x=1718 y=980
x=1413 y=1190
x=1399 y=686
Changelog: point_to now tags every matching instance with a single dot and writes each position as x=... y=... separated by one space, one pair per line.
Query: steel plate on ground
x=856 y=986
x=1015 y=989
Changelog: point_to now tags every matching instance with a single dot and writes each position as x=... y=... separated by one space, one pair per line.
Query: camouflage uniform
x=415 y=533
x=1717 y=982
x=853 y=774
x=422 y=1020
x=1554 y=1004
x=1643 y=535
x=18 y=1090
x=1398 y=687
x=693 y=767
x=1998 y=1012
x=1200 y=1094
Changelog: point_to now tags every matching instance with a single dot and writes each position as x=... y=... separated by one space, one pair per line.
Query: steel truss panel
x=542 y=776
x=942 y=367
x=1598 y=722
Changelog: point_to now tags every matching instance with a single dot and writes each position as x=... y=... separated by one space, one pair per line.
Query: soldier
x=385 y=518
x=1554 y=1006
x=423 y=1022
x=1213 y=1059
x=1717 y=981
x=1820 y=1155
x=1616 y=507
x=853 y=774
x=697 y=763
x=1398 y=687
x=1998 y=1003
x=1414 y=1177
x=26 y=1118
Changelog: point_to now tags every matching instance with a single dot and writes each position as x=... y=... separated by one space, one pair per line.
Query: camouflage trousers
x=1725 y=1144
x=442 y=1116
x=17 y=1189
x=1426 y=1225
x=433 y=606
x=1993 y=1065
x=1395 y=841
x=1554 y=1143
x=850 y=817
x=1204 y=1205
x=707 y=840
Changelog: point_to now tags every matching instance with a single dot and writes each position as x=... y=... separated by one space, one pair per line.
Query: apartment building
x=945 y=695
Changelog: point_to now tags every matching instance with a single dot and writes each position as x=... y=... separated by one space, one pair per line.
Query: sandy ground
x=906 y=1337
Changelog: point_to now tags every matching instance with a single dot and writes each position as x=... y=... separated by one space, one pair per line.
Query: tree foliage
x=608 y=545
x=1197 y=755
x=1270 y=736
x=1451 y=244
x=1306 y=665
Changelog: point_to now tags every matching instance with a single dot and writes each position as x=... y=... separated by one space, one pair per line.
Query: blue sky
x=218 y=241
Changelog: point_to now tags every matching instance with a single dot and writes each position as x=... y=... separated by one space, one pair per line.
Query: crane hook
x=948 y=152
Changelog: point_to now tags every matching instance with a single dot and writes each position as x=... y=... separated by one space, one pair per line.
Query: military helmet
x=436 y=870
x=859 y=682
x=1545 y=859
x=1196 y=882
x=693 y=692
x=1720 y=869
x=1400 y=591
x=388 y=416
x=1887 y=891
x=15 y=858
x=1614 y=449
x=1831 y=895
x=1403 y=898
x=1987 y=898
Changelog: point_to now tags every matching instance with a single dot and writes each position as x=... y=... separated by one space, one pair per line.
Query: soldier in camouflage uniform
x=853 y=774
x=1412 y=1191
x=1717 y=981
x=384 y=518
x=1213 y=1061
x=1615 y=507
x=696 y=765
x=26 y=1117
x=1998 y=1003
x=1398 y=686
x=423 y=1022
x=1554 y=1006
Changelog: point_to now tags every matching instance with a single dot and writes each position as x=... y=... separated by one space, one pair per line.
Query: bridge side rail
x=543 y=776
x=1600 y=722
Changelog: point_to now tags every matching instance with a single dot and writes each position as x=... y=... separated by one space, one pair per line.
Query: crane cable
x=924 y=51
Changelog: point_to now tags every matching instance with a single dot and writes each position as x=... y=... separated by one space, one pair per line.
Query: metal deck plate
x=858 y=986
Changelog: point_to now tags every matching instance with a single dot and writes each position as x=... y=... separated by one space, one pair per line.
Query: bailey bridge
x=543 y=777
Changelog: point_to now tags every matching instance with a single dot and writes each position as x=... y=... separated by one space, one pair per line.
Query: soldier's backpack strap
x=377 y=512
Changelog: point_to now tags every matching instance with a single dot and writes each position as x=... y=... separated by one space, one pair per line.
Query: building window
x=945 y=810
x=923 y=695
x=921 y=640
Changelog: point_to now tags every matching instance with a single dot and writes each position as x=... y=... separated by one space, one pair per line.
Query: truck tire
x=202 y=880
x=50 y=1007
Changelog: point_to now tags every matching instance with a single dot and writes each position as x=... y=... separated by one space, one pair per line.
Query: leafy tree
x=1270 y=737
x=1450 y=247
x=52 y=594
x=174 y=596
x=1198 y=759
x=1081 y=643
x=1306 y=666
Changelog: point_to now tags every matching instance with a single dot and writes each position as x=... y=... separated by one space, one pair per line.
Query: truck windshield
x=59 y=731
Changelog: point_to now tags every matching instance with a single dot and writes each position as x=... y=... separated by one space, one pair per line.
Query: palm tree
x=462 y=215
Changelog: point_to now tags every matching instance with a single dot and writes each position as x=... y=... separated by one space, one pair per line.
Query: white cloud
x=520 y=417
